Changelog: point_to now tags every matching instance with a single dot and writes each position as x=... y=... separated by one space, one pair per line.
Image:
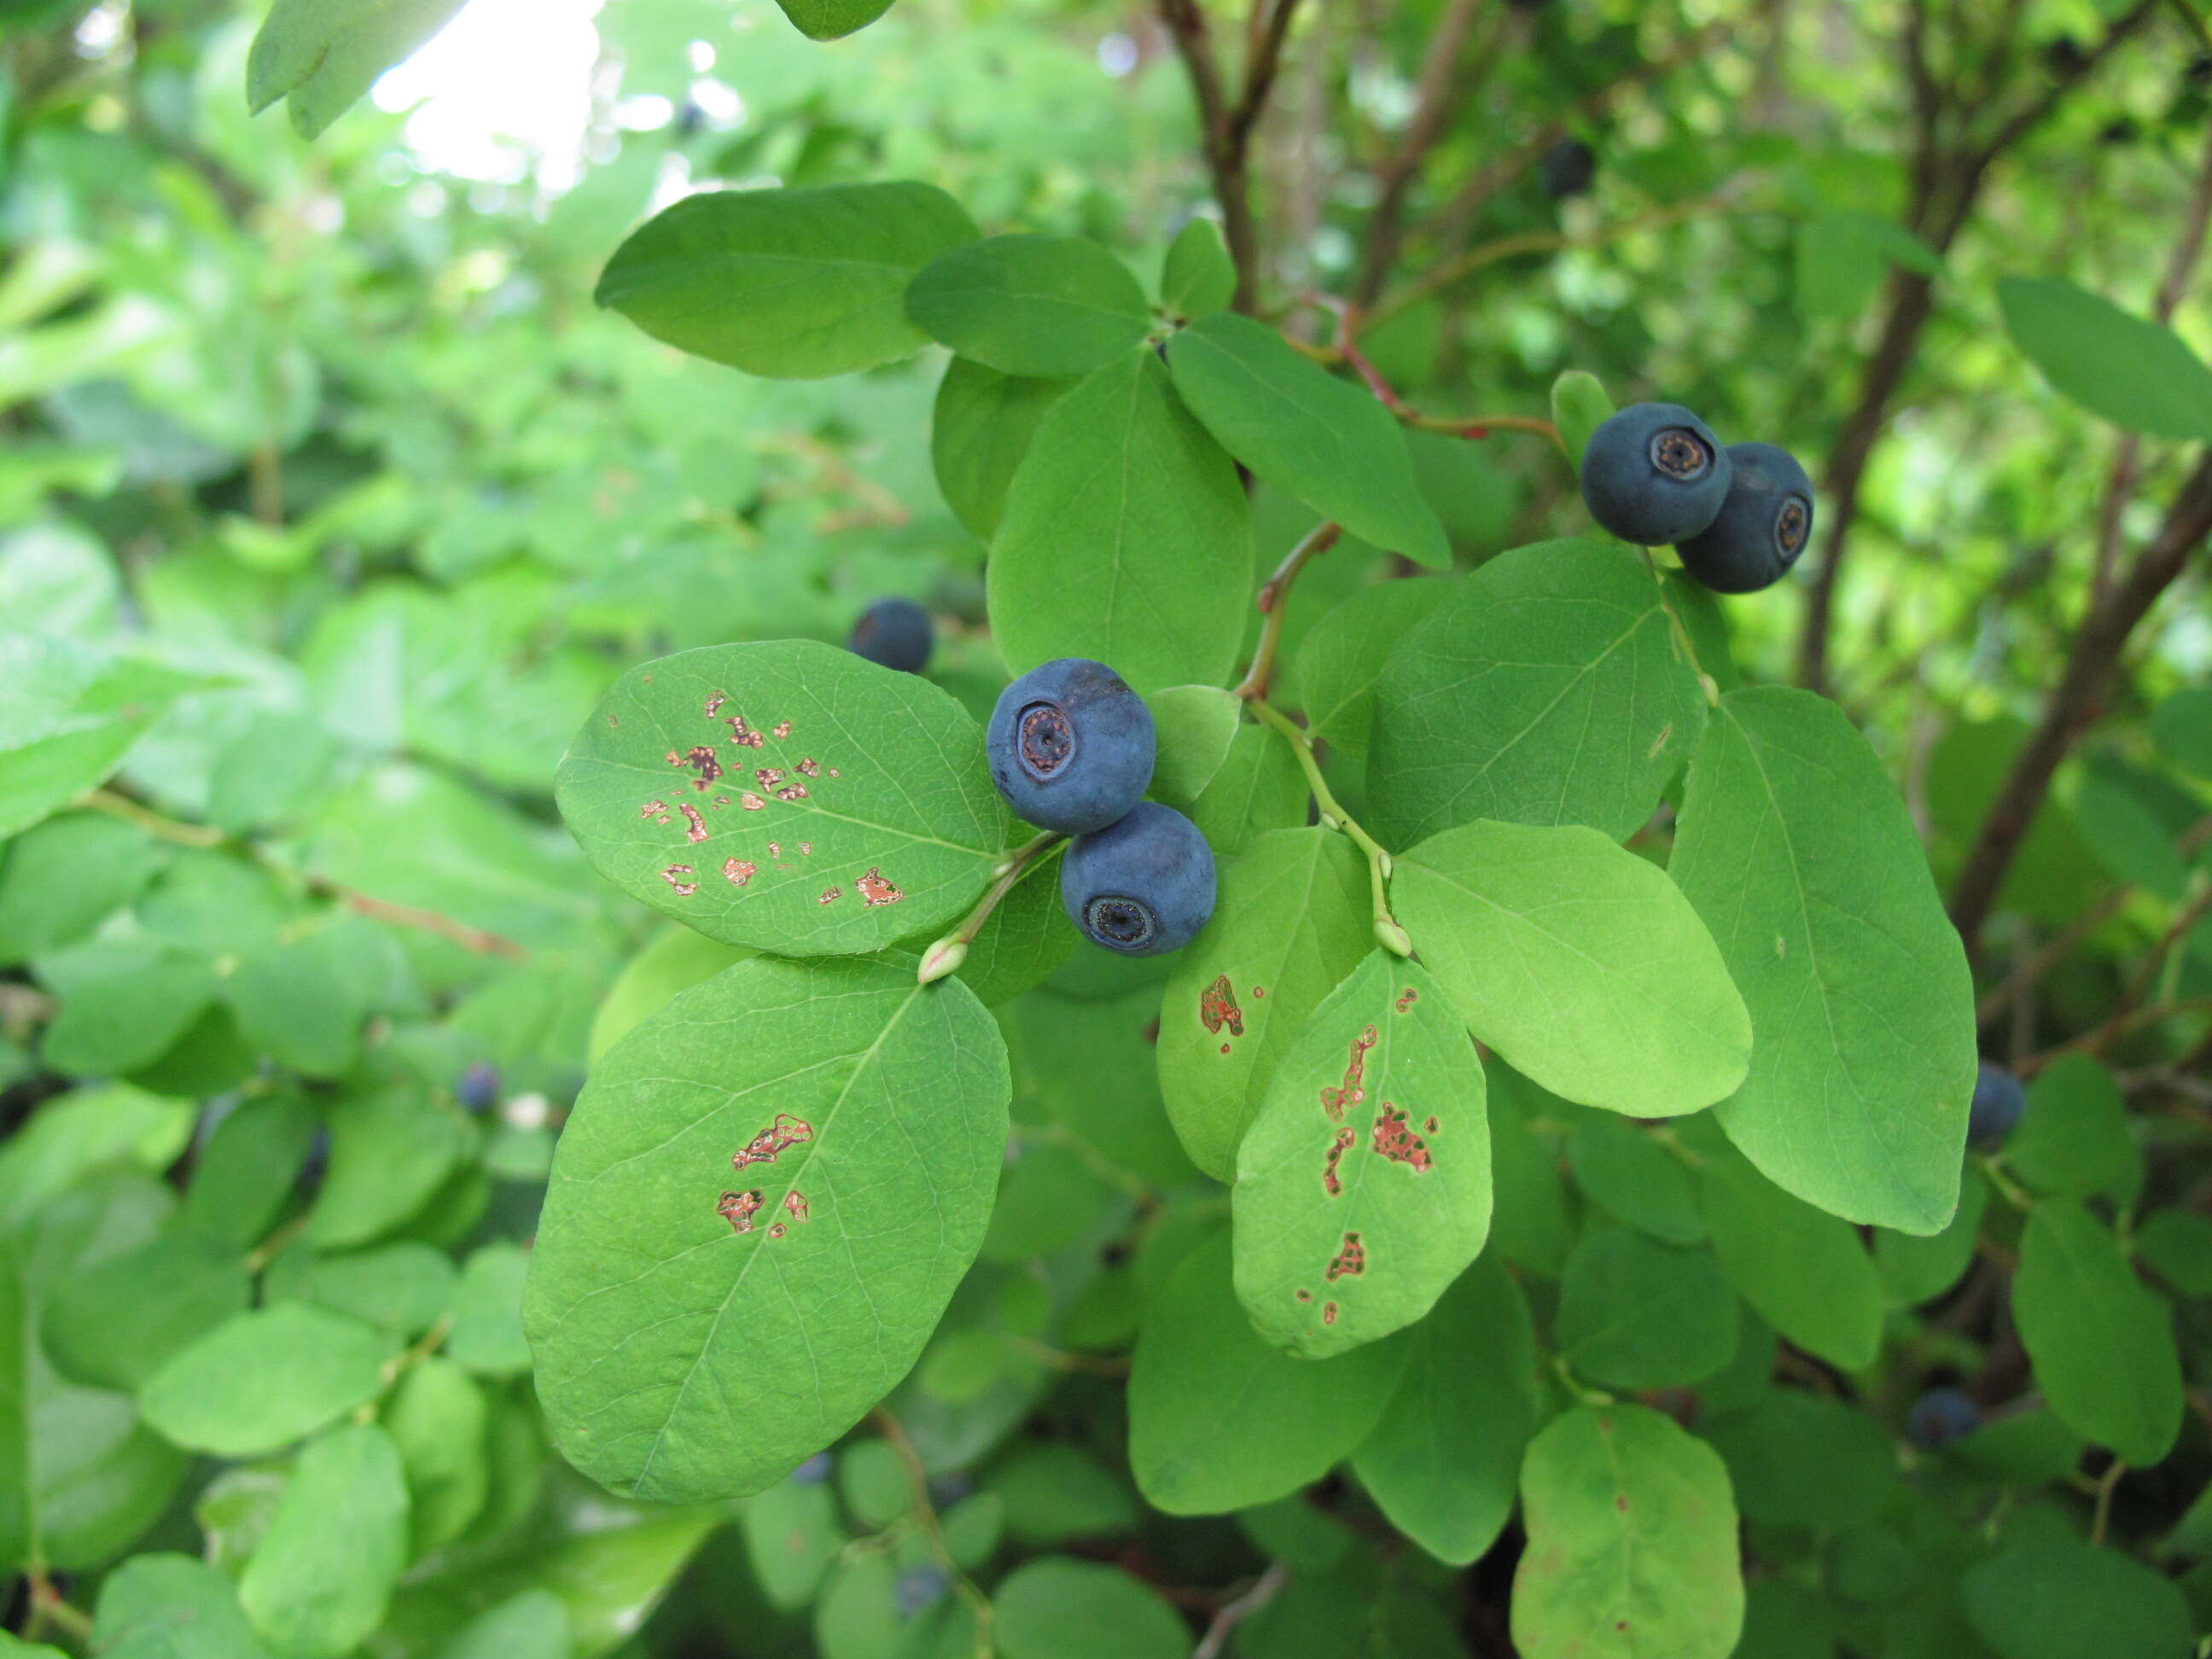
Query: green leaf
x=792 y=1536
x=2135 y=374
x=1638 y=1314
x=1126 y=538
x=1333 y=674
x=403 y=1287
x=1219 y=1420
x=1442 y=1462
x=787 y=795
x=2177 y=1245
x=1916 y=1270
x=795 y=284
x=1579 y=406
x=487 y=1334
x=1529 y=1222
x=75 y=1134
x=675 y=960
x=297 y=1004
x=19 y=1525
x=391 y=1147
x=2181 y=726
x=1798 y=1459
x=323 y=54
x=2063 y=1598
x=2073 y=1140
x=261 y=1380
x=983 y=425
x=1804 y=1272
x=749 y=1342
x=1196 y=725
x=1056 y=1608
x=114 y=1325
x=1036 y=306
x=125 y=1001
x=1548 y=689
x=1579 y=962
x=1627 y=1172
x=171 y=1606
x=246 y=1170
x=1023 y=939
x=1054 y=1492
x=61 y=878
x=1631 y=1542
x=1291 y=920
x=319 y=1579
x=1323 y=441
x=1795 y=848
x=436 y=1419
x=1362 y=1184
x=2102 y=1343
x=1260 y=787
x=533 y=1625
x=832 y=19
x=1842 y=257
x=1198 y=276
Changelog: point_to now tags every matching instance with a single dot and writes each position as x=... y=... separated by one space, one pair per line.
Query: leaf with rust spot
x=1631 y=1542
x=697 y=1334
x=882 y=825
x=1373 y=1131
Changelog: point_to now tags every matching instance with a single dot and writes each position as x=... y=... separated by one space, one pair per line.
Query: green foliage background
x=332 y=507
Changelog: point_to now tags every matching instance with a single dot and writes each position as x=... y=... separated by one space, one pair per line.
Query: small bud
x=1383 y=859
x=1330 y=821
x=1711 y=687
x=1393 y=938
x=942 y=958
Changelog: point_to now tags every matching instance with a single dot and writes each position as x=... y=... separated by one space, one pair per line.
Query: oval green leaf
x=1631 y=1542
x=1126 y=538
x=1037 y=306
x=1548 y=689
x=1638 y=1314
x=787 y=795
x=795 y=284
x=1797 y=851
x=758 y=1211
x=1363 y=1185
x=2137 y=373
x=1324 y=440
x=1579 y=962
x=1807 y=1272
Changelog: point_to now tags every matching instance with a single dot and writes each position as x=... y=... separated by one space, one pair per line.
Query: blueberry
x=1655 y=473
x=893 y=634
x=1566 y=168
x=1763 y=526
x=1998 y=1103
x=1143 y=886
x=813 y=1472
x=478 y=1089
x=1071 y=746
x=313 y=1166
x=921 y=1588
x=1941 y=1415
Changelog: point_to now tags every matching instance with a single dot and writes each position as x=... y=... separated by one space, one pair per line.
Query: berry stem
x=1273 y=592
x=945 y=956
x=933 y=1531
x=1388 y=933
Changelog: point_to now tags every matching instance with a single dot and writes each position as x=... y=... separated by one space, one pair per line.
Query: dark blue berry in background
x=1072 y=746
x=1566 y=168
x=1941 y=1415
x=1998 y=1103
x=813 y=1472
x=478 y=1089
x=1654 y=473
x=1762 y=527
x=894 y=634
x=1143 y=886
x=921 y=1588
x=316 y=1164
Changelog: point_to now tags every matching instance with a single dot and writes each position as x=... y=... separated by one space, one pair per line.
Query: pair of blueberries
x=1072 y=749
x=1738 y=516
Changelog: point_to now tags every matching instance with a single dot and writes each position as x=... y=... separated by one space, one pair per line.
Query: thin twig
x=2106 y=1482
x=1264 y=1590
x=1437 y=93
x=933 y=1530
x=1273 y=594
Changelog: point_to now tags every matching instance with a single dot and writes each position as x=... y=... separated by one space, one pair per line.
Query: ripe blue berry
x=1998 y=1103
x=1072 y=746
x=919 y=1590
x=1566 y=169
x=894 y=634
x=1654 y=473
x=1142 y=887
x=1763 y=526
x=1941 y=1415
x=478 y=1089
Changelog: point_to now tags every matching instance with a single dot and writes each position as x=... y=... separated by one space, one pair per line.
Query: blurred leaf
x=2137 y=375
x=261 y=1380
x=319 y=1581
x=2102 y=1344
x=323 y=54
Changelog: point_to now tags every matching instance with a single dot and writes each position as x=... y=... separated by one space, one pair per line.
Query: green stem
x=932 y=1532
x=1387 y=933
x=945 y=956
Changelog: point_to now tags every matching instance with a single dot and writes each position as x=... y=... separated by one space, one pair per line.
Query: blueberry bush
x=1138 y=830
